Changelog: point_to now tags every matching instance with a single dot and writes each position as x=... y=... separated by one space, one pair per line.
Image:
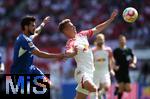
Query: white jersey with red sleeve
x=101 y=59
x=84 y=58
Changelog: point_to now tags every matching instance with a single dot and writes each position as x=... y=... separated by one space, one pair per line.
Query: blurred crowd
x=83 y=13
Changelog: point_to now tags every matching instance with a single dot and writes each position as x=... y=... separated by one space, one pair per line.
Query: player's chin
x=100 y=43
x=31 y=33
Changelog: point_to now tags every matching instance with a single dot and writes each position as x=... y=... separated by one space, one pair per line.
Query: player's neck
x=71 y=37
x=123 y=46
x=100 y=47
x=26 y=33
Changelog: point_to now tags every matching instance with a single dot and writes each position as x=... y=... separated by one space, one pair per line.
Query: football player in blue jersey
x=24 y=49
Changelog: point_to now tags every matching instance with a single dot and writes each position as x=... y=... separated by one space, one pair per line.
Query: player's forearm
x=39 y=28
x=37 y=31
x=112 y=62
x=70 y=55
x=105 y=24
x=102 y=26
x=134 y=60
x=50 y=55
x=46 y=55
x=111 y=66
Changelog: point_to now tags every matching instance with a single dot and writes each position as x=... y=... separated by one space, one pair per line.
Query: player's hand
x=46 y=20
x=114 y=14
x=112 y=72
x=132 y=65
x=116 y=68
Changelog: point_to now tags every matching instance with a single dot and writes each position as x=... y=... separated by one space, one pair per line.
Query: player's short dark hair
x=26 y=21
x=62 y=24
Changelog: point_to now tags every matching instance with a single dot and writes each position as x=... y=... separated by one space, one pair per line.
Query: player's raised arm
x=105 y=24
x=41 y=26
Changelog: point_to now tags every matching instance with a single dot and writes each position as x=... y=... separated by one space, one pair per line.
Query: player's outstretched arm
x=105 y=24
x=112 y=62
x=43 y=54
x=41 y=26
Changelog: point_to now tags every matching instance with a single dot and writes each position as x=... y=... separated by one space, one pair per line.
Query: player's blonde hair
x=100 y=35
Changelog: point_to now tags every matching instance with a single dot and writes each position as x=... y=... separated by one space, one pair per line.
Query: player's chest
x=101 y=56
x=124 y=53
x=82 y=43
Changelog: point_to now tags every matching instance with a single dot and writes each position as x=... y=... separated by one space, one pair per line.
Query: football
x=130 y=14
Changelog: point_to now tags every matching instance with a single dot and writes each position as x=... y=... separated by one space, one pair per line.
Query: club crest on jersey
x=101 y=60
x=86 y=47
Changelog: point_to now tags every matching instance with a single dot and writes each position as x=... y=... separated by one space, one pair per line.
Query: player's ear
x=65 y=31
x=25 y=27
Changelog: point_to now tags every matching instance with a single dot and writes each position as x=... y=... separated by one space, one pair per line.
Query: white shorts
x=81 y=77
x=101 y=78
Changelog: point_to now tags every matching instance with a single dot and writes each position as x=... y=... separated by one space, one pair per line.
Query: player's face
x=122 y=41
x=100 y=40
x=31 y=28
x=70 y=30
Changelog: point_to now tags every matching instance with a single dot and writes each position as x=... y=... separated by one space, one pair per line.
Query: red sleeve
x=88 y=33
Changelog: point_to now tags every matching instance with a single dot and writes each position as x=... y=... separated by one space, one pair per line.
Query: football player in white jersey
x=104 y=63
x=84 y=57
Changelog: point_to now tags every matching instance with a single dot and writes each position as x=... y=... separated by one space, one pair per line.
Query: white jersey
x=84 y=58
x=101 y=60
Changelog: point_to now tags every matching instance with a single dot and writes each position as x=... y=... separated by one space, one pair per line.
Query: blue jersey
x=23 y=58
